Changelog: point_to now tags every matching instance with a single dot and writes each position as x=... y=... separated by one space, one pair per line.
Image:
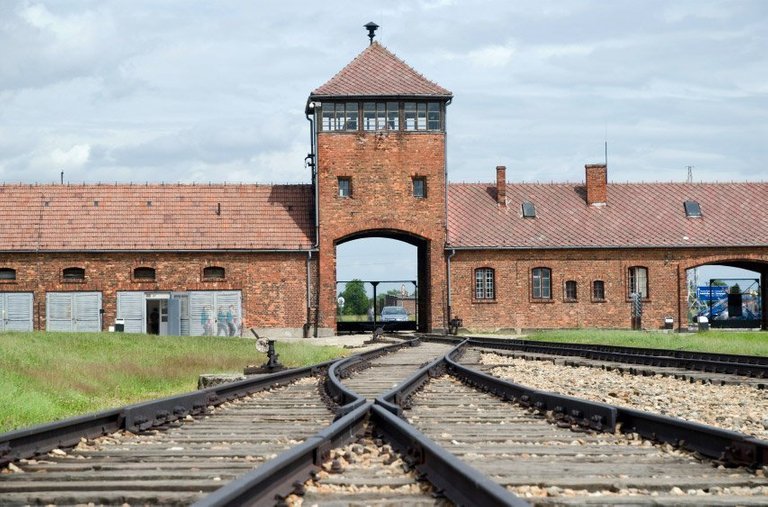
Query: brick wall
x=513 y=306
x=381 y=167
x=273 y=285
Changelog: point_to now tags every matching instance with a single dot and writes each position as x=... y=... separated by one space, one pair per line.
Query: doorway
x=157 y=317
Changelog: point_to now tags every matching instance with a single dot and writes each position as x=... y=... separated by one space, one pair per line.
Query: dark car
x=394 y=314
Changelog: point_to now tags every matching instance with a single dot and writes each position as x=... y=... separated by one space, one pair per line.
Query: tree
x=355 y=299
x=735 y=289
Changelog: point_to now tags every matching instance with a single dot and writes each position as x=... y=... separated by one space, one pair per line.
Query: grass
x=50 y=376
x=751 y=343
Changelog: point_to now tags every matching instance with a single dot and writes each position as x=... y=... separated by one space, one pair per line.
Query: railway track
x=694 y=366
x=548 y=464
x=177 y=464
x=335 y=438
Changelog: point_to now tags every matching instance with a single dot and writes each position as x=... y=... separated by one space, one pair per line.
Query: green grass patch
x=50 y=376
x=751 y=343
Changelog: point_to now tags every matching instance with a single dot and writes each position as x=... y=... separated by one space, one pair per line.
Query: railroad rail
x=695 y=366
x=335 y=433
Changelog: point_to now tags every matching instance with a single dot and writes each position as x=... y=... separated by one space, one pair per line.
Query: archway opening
x=729 y=295
x=379 y=278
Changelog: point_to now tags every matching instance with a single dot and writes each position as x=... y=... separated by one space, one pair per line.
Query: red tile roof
x=377 y=72
x=155 y=217
x=636 y=215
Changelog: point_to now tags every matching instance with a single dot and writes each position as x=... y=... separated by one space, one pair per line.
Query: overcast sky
x=180 y=91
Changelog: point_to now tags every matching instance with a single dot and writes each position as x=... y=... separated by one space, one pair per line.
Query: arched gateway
x=380 y=171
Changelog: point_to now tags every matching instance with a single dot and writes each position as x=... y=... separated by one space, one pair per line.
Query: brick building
x=214 y=259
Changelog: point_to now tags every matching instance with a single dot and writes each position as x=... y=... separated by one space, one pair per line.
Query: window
x=345 y=186
x=415 y=114
x=374 y=116
x=570 y=290
x=692 y=209
x=409 y=114
x=638 y=281
x=213 y=273
x=73 y=274
x=7 y=274
x=484 y=283
x=339 y=116
x=433 y=116
x=144 y=273
x=420 y=187
x=393 y=116
x=421 y=116
x=529 y=210
x=598 y=290
x=542 y=283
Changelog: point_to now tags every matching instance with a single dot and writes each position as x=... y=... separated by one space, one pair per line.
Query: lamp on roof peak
x=371 y=27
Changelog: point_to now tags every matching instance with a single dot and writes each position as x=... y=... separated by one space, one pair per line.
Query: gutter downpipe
x=311 y=161
x=309 y=296
x=447 y=318
x=453 y=252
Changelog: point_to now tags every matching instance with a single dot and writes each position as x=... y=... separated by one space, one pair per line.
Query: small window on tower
x=393 y=116
x=409 y=114
x=433 y=116
x=345 y=187
x=420 y=187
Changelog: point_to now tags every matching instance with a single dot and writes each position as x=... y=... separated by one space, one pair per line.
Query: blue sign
x=713 y=293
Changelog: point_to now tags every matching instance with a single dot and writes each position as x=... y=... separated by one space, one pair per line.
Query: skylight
x=529 y=211
x=692 y=209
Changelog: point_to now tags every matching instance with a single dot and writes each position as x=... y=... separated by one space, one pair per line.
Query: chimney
x=597 y=184
x=501 y=185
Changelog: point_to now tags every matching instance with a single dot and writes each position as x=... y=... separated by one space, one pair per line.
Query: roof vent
x=529 y=210
x=692 y=209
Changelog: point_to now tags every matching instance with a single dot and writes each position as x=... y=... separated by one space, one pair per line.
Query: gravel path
x=733 y=407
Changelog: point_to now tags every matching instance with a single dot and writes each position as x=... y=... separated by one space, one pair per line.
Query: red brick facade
x=273 y=285
x=513 y=306
x=381 y=167
x=263 y=235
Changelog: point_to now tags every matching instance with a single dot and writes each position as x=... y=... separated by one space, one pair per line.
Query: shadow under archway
x=423 y=292
x=758 y=267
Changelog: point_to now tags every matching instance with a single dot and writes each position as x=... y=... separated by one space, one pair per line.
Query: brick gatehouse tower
x=380 y=171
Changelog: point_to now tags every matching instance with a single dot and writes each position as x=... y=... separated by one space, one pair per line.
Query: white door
x=16 y=311
x=131 y=309
x=205 y=308
x=73 y=311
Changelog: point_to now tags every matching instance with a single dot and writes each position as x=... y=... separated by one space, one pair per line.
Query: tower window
x=345 y=187
x=393 y=116
x=374 y=116
x=433 y=116
x=415 y=114
x=339 y=116
x=420 y=187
